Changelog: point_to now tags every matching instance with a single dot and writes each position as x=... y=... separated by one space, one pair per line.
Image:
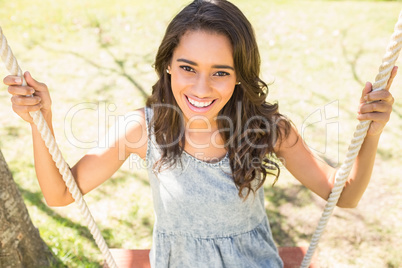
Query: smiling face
x=202 y=74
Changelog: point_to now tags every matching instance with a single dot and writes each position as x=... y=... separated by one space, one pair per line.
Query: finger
x=38 y=86
x=377 y=107
x=12 y=80
x=380 y=95
x=26 y=116
x=20 y=90
x=20 y=109
x=23 y=100
x=381 y=118
x=367 y=88
x=391 y=78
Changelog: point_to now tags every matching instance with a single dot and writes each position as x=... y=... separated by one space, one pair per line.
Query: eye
x=221 y=73
x=187 y=68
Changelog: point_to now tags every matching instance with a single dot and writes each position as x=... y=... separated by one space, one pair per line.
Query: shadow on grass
x=145 y=227
x=120 y=64
x=121 y=71
x=299 y=196
x=352 y=59
x=35 y=198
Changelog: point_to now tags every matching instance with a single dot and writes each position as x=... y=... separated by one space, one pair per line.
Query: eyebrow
x=218 y=66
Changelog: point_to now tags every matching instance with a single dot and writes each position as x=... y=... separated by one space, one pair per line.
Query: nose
x=202 y=87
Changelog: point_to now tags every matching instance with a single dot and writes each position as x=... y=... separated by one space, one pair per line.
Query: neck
x=200 y=123
x=203 y=133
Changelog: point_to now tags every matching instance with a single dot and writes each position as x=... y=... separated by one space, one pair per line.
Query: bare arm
x=128 y=136
x=318 y=176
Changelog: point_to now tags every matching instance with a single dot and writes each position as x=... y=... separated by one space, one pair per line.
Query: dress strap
x=152 y=150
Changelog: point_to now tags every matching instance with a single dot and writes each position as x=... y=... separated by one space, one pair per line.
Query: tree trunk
x=20 y=242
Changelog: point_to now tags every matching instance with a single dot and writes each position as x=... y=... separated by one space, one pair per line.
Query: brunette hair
x=251 y=135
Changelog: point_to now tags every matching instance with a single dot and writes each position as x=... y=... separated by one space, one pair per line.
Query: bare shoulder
x=132 y=132
x=288 y=135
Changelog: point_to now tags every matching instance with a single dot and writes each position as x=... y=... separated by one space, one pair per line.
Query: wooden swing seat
x=129 y=258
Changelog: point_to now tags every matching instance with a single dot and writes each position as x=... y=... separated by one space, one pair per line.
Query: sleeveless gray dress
x=200 y=221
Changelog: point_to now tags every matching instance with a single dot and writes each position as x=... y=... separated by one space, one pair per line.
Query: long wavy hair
x=255 y=125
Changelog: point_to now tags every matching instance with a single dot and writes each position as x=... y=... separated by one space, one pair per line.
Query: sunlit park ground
x=96 y=57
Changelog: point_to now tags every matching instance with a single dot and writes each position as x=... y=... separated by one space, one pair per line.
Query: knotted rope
x=12 y=66
x=388 y=62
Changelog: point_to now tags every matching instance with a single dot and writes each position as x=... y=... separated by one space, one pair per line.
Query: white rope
x=342 y=174
x=12 y=66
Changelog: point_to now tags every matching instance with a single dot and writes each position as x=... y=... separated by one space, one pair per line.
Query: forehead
x=204 y=47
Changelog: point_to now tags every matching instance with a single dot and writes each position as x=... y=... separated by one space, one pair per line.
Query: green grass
x=318 y=53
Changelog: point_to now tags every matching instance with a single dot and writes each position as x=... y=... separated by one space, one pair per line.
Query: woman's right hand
x=22 y=103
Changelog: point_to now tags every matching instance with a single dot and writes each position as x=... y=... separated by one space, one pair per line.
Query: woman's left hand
x=376 y=106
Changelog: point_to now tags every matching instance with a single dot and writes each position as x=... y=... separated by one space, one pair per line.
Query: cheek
x=176 y=85
x=226 y=91
x=178 y=82
x=228 y=96
x=176 y=94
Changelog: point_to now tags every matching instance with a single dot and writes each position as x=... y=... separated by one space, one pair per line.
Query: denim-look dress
x=200 y=219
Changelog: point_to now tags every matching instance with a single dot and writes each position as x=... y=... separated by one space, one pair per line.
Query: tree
x=20 y=241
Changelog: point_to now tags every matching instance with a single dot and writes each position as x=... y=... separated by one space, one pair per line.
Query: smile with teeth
x=199 y=104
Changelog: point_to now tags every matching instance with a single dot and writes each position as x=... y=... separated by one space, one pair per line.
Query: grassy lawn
x=96 y=57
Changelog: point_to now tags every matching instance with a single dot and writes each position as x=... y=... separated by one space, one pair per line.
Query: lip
x=199 y=109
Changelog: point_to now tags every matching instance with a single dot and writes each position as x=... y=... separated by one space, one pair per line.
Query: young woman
x=210 y=139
